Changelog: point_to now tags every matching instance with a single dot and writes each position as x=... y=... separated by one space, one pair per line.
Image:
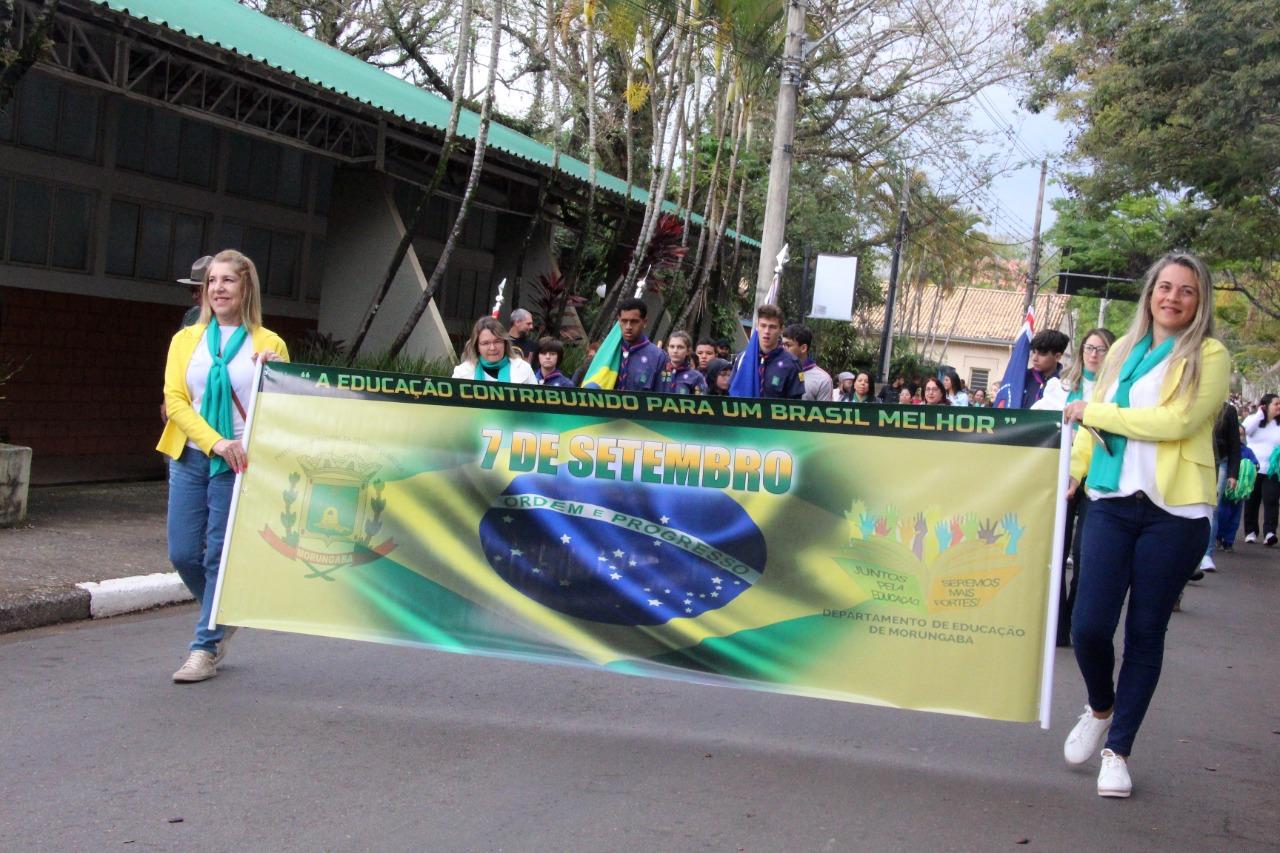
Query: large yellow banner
x=884 y=554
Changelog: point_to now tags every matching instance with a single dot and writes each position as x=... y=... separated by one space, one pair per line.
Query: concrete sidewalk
x=80 y=534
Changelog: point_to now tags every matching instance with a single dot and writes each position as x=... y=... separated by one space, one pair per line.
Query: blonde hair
x=471 y=351
x=1189 y=340
x=251 y=292
x=1074 y=375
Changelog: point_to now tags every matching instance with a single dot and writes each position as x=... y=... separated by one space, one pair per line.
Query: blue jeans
x=197 y=523
x=1229 y=513
x=1131 y=548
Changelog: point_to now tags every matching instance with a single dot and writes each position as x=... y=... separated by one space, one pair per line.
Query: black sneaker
x=1198 y=574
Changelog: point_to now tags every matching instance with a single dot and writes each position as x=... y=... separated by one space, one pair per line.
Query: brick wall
x=87 y=398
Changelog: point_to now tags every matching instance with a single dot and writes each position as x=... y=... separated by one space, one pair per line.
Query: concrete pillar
x=364 y=230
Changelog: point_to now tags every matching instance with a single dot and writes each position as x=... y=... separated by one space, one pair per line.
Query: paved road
x=309 y=744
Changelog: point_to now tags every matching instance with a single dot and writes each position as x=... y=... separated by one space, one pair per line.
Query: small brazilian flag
x=604 y=369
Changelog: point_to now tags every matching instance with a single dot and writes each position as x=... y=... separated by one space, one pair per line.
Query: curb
x=92 y=599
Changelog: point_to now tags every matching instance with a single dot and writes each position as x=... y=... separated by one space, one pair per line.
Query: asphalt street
x=306 y=743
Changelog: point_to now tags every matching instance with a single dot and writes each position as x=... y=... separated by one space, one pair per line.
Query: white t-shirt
x=1138 y=469
x=240 y=370
x=1263 y=438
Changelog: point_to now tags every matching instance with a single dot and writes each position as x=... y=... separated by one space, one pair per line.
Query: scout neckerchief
x=215 y=406
x=487 y=368
x=1104 y=469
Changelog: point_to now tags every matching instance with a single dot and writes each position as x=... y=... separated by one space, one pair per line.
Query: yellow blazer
x=1185 y=470
x=185 y=422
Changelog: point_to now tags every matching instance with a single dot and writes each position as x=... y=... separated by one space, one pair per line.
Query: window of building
x=266 y=171
x=144 y=241
x=277 y=255
x=979 y=377
x=45 y=224
x=53 y=116
x=324 y=185
x=315 y=271
x=163 y=144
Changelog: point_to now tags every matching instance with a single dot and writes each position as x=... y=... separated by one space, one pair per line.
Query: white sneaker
x=1113 y=778
x=1085 y=738
x=198 y=667
x=1270 y=541
x=1207 y=564
x=1251 y=538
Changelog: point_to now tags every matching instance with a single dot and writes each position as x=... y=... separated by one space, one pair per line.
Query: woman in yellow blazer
x=1153 y=487
x=208 y=379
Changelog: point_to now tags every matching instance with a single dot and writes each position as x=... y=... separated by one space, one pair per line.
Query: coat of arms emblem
x=334 y=520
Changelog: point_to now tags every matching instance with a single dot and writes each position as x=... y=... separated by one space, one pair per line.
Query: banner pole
x=1055 y=575
x=235 y=491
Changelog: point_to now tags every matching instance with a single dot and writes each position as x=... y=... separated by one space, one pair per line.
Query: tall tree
x=16 y=60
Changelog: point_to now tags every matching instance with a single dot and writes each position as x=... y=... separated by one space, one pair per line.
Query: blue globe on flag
x=621 y=553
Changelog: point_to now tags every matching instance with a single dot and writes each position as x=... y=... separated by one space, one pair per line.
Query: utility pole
x=784 y=133
x=1033 y=272
x=886 y=334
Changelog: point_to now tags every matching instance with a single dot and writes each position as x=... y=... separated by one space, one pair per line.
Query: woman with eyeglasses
x=1153 y=485
x=1075 y=384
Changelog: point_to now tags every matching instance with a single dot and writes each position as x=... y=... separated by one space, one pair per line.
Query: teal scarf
x=215 y=407
x=1104 y=469
x=503 y=367
x=1077 y=393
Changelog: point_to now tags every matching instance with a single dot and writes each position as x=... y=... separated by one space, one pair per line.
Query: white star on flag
x=664 y=519
x=537 y=571
x=615 y=576
x=631 y=562
x=506 y=519
x=715 y=595
x=516 y=552
x=566 y=539
x=688 y=610
x=716 y=581
x=564 y=583
x=653 y=602
x=618 y=553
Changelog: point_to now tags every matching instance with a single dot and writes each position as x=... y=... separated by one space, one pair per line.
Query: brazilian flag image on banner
x=883 y=554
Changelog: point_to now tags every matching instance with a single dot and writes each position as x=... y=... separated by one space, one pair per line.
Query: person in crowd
x=1263 y=429
x=1075 y=384
x=550 y=354
x=779 y=370
x=719 y=373
x=893 y=390
x=979 y=398
x=522 y=336
x=934 y=393
x=1077 y=381
x=723 y=350
x=906 y=397
x=705 y=351
x=1231 y=504
x=581 y=372
x=1047 y=349
x=1152 y=486
x=642 y=360
x=843 y=392
x=489 y=356
x=954 y=388
x=797 y=338
x=862 y=388
x=208 y=379
x=192 y=315
x=680 y=375
x=1227 y=449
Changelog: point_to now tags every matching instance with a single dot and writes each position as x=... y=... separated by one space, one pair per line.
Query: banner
x=895 y=555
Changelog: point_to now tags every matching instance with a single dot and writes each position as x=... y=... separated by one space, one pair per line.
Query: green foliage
x=1175 y=98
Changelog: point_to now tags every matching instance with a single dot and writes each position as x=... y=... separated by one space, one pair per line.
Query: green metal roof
x=230 y=26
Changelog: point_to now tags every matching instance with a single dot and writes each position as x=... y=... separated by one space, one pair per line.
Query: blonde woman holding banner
x=208 y=379
x=1153 y=487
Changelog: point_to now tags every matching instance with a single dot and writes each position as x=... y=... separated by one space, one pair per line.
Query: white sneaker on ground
x=1270 y=541
x=227 y=631
x=1251 y=538
x=1113 y=778
x=1207 y=564
x=1085 y=738
x=198 y=667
